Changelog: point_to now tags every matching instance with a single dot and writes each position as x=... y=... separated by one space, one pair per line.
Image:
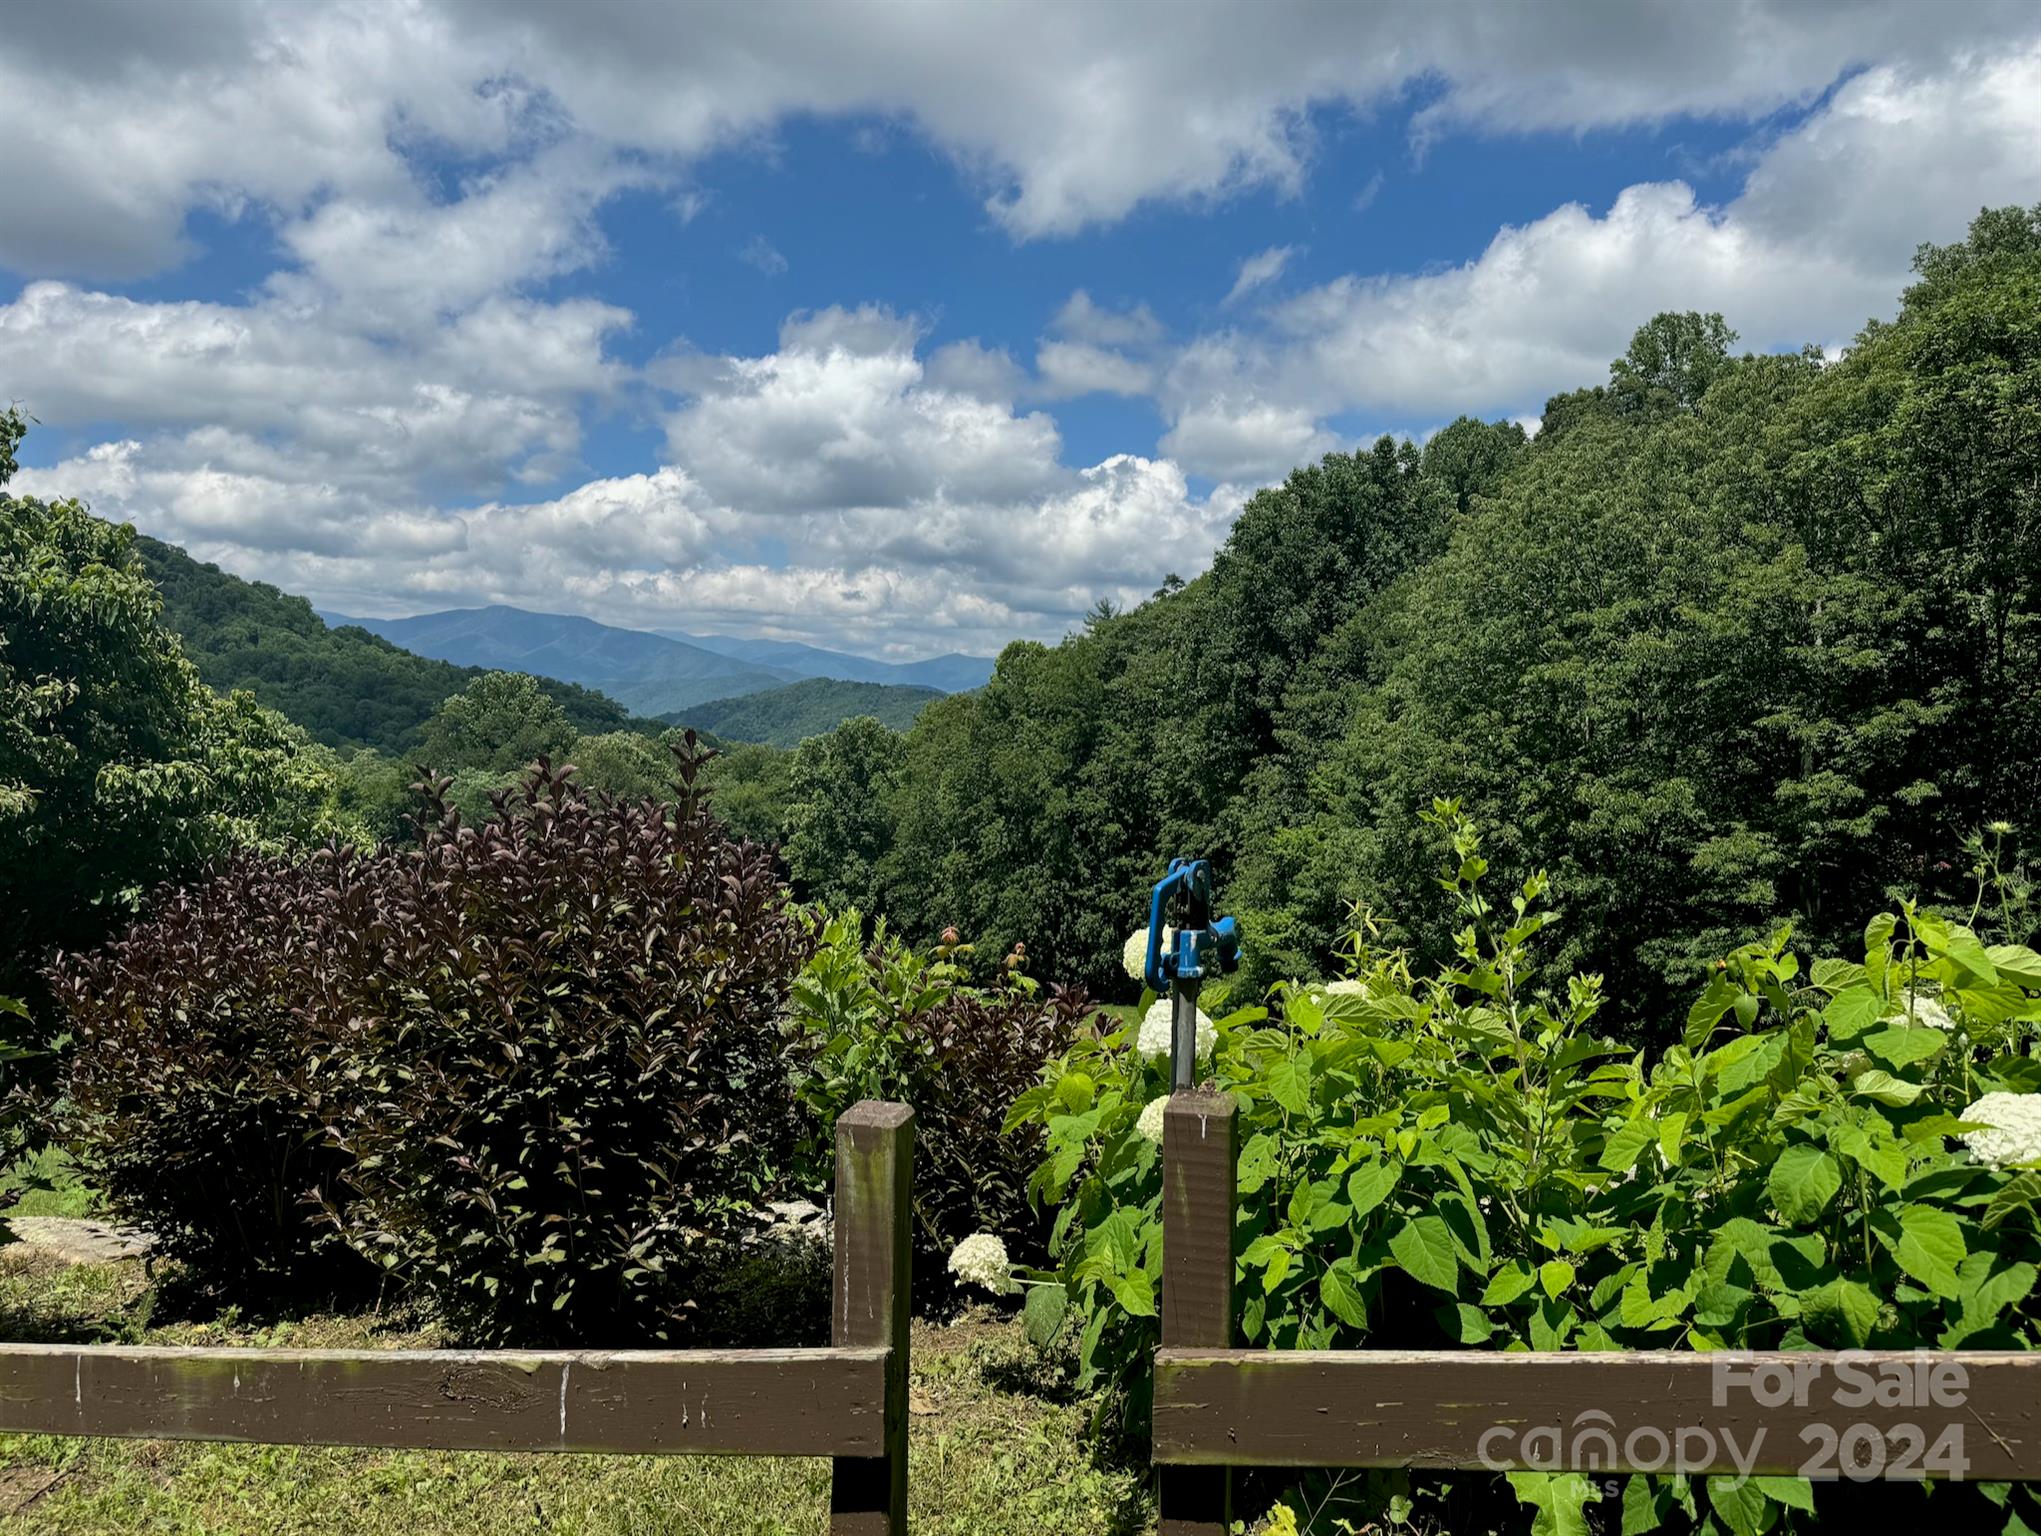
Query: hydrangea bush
x=1843 y=1155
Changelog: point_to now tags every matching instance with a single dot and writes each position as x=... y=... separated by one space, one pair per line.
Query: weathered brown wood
x=874 y=1169
x=1771 y=1414
x=1199 y=1146
x=792 y=1402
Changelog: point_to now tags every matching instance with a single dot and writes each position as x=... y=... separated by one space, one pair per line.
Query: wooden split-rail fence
x=1856 y=1414
x=847 y=1401
x=1217 y=1407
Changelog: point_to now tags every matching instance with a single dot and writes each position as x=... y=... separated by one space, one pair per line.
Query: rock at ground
x=74 y=1240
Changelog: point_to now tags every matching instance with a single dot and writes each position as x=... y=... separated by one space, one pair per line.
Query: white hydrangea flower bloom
x=1154 y=1039
x=980 y=1259
x=1150 y=1123
x=2015 y=1128
x=1348 y=986
x=1925 y=1010
x=1135 y=956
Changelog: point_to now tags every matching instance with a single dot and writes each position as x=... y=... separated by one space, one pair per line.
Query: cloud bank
x=386 y=419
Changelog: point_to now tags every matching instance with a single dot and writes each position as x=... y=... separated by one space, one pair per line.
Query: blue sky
x=899 y=326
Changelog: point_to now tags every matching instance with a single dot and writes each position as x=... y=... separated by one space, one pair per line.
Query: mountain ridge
x=786 y=716
x=648 y=674
x=346 y=689
x=651 y=672
x=951 y=672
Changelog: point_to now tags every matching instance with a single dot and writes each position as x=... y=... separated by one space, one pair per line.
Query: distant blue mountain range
x=648 y=673
x=952 y=673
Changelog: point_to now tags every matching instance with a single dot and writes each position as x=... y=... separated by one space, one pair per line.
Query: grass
x=998 y=1448
x=48 y=1185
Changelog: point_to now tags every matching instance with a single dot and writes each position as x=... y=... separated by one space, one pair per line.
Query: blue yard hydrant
x=1204 y=946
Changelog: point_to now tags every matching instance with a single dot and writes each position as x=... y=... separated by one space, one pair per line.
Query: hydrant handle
x=1203 y=947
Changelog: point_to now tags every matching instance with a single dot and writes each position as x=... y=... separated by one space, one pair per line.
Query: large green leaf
x=1508 y=1284
x=1720 y=1304
x=1423 y=1248
x=1560 y=1498
x=1289 y=1082
x=1369 y=1185
x=1802 y=1182
x=1840 y=1313
x=1833 y=975
x=1740 y=1504
x=1042 y=1315
x=1796 y=1492
x=1640 y=1506
x=1852 y=1011
x=1903 y=1046
x=1963 y=947
x=1463 y=1323
x=1879 y=1153
x=1257 y=1163
x=1930 y=1247
x=1707 y=1011
x=2017 y=1201
x=1136 y=1292
x=1470 y=1233
x=1885 y=1088
x=1626 y=1144
x=2016 y=963
x=1998 y=1290
x=1339 y=1289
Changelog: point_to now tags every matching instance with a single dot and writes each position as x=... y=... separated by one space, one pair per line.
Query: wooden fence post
x=1199 y=1149
x=869 y=1303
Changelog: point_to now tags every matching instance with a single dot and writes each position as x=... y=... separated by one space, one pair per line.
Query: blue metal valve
x=1203 y=947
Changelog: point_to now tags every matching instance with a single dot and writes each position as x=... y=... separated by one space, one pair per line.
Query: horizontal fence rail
x=794 y=1402
x=1815 y=1414
x=847 y=1402
x=1854 y=1414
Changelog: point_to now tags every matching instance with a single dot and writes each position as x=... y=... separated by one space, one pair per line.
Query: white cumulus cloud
x=395 y=416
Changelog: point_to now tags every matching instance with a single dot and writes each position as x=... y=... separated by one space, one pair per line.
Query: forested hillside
x=346 y=687
x=785 y=717
x=647 y=673
x=1731 y=639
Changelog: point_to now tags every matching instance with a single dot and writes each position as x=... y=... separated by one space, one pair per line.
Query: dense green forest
x=786 y=717
x=1732 y=638
x=346 y=687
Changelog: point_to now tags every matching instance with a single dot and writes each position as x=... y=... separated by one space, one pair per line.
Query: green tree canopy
x=624 y=764
x=12 y=430
x=1732 y=637
x=118 y=767
x=499 y=724
x=838 y=789
x=1671 y=361
x=747 y=786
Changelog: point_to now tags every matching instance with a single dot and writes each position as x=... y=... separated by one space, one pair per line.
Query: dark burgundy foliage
x=189 y=1098
x=982 y=1051
x=518 y=1065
